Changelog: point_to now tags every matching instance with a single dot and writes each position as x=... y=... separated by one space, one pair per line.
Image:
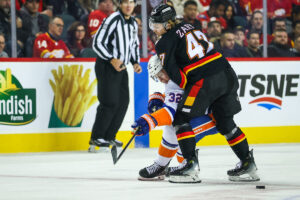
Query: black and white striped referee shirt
x=118 y=38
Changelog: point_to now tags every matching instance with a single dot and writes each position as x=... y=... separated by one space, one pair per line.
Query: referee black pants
x=113 y=95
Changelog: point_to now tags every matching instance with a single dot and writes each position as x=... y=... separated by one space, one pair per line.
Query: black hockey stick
x=114 y=152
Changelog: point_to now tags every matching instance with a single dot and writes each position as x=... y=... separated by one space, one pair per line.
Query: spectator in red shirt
x=49 y=44
x=105 y=8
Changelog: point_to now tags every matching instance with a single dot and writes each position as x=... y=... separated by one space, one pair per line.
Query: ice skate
x=244 y=171
x=154 y=172
x=186 y=172
x=98 y=145
x=117 y=143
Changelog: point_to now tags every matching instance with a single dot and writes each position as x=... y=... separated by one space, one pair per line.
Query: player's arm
x=166 y=53
x=101 y=38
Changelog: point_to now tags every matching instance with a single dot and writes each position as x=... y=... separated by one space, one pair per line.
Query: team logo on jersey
x=17 y=105
x=268 y=102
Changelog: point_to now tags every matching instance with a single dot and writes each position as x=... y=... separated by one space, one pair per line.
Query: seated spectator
x=295 y=13
x=253 y=49
x=256 y=22
x=105 y=8
x=3 y=54
x=256 y=25
x=36 y=22
x=49 y=44
x=216 y=11
x=228 y=16
x=296 y=30
x=77 y=38
x=228 y=47
x=190 y=14
x=279 y=46
x=5 y=28
x=296 y=49
x=239 y=36
x=214 y=31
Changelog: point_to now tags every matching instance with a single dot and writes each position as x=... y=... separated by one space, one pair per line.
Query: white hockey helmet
x=154 y=66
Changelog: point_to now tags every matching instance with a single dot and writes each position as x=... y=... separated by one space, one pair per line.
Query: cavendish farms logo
x=17 y=105
x=268 y=91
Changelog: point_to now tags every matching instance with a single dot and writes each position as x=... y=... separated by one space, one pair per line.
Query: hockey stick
x=114 y=152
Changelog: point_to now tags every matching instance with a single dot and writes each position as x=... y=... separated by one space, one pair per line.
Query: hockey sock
x=166 y=152
x=239 y=144
x=186 y=140
x=179 y=157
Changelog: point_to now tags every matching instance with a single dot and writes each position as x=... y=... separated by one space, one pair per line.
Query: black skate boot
x=244 y=171
x=117 y=143
x=187 y=172
x=94 y=143
x=154 y=172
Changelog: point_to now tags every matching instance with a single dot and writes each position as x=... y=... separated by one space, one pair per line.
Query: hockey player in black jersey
x=209 y=82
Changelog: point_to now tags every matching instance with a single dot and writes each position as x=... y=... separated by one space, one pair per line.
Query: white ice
x=83 y=175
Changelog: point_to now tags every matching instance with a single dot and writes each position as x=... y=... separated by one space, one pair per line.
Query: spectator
x=77 y=38
x=105 y=8
x=296 y=30
x=214 y=31
x=37 y=23
x=5 y=27
x=296 y=49
x=150 y=44
x=49 y=44
x=295 y=16
x=29 y=13
x=3 y=54
x=256 y=21
x=228 y=16
x=256 y=25
x=279 y=46
x=216 y=10
x=253 y=49
x=228 y=46
x=239 y=36
x=190 y=14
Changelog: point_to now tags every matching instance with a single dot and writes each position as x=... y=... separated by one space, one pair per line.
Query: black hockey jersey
x=187 y=55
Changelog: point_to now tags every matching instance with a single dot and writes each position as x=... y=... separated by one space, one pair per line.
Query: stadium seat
x=88 y=53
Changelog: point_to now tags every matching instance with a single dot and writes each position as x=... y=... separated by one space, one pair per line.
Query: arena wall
x=269 y=93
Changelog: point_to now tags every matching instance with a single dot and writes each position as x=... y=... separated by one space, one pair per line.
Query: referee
x=116 y=44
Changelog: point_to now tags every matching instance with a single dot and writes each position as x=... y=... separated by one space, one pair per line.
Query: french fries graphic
x=73 y=93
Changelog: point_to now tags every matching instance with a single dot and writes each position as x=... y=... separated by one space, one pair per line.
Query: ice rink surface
x=86 y=176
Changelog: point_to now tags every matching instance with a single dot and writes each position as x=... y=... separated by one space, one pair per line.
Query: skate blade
x=157 y=178
x=251 y=177
x=96 y=149
x=184 y=179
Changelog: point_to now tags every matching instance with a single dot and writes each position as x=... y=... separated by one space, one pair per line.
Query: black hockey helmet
x=162 y=14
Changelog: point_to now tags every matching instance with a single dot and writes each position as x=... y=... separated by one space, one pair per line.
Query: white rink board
x=257 y=116
x=36 y=75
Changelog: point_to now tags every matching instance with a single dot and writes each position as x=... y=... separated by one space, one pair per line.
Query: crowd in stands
x=65 y=28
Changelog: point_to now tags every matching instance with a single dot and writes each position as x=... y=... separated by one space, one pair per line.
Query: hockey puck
x=260 y=187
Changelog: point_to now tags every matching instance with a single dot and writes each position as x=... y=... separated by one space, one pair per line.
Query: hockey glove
x=156 y=102
x=144 y=124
